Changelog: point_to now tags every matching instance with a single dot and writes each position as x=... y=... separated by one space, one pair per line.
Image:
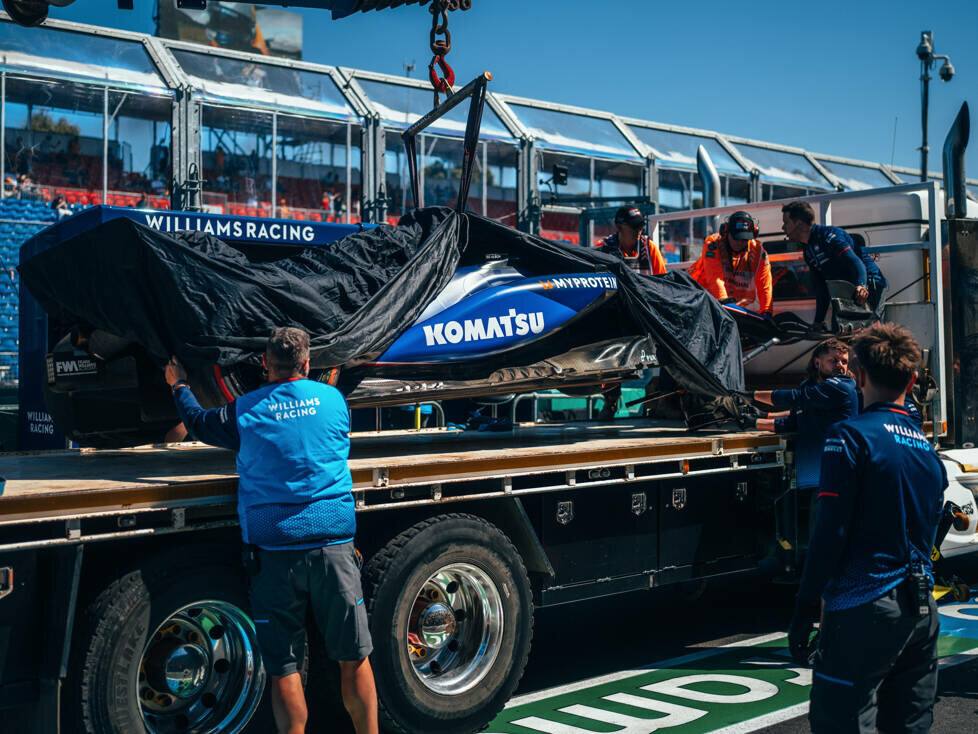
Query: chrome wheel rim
x=201 y=671
x=455 y=629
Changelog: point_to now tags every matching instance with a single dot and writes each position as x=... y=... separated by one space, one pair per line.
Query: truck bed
x=84 y=483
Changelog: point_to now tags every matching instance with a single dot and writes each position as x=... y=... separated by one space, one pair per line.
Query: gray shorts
x=287 y=583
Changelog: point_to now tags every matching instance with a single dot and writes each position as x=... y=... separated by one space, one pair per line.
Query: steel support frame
x=527 y=196
x=185 y=156
x=373 y=171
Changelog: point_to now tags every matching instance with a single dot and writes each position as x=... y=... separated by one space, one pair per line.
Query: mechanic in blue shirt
x=879 y=504
x=827 y=396
x=831 y=254
x=296 y=511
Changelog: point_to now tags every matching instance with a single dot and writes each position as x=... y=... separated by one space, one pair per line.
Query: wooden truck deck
x=82 y=483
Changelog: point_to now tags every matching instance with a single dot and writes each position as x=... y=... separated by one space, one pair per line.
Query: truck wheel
x=172 y=652
x=451 y=617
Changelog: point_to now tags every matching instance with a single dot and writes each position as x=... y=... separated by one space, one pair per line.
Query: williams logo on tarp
x=232 y=229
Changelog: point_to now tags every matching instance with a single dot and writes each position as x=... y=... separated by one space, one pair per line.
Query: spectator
x=143 y=202
x=61 y=207
x=26 y=188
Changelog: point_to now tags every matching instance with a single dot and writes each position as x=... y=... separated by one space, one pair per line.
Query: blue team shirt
x=878 y=506
x=831 y=254
x=294 y=484
x=814 y=407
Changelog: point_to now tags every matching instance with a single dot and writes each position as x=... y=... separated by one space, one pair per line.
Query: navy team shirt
x=878 y=505
x=814 y=407
x=831 y=254
x=292 y=439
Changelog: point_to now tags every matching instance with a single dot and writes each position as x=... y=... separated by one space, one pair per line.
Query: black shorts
x=287 y=582
x=876 y=668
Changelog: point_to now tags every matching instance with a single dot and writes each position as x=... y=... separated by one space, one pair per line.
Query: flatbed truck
x=123 y=602
x=124 y=594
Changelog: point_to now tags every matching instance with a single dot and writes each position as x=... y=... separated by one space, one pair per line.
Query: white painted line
x=962 y=657
x=622 y=674
x=775 y=717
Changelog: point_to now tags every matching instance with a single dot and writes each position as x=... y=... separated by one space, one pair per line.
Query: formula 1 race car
x=495 y=328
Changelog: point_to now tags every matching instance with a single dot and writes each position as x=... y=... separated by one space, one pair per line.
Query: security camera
x=946 y=71
x=926 y=46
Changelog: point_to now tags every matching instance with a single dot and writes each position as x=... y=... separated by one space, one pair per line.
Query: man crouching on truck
x=296 y=511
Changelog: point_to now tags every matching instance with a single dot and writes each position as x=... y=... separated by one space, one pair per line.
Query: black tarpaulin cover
x=194 y=296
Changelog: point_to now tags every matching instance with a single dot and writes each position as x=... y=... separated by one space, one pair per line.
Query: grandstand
x=102 y=116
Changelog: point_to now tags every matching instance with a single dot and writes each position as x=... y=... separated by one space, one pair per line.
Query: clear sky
x=829 y=76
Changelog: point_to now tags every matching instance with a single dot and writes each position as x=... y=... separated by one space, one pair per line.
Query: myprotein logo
x=494 y=327
x=590 y=281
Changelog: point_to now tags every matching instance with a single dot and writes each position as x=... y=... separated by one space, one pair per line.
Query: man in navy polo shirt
x=827 y=396
x=296 y=510
x=831 y=254
x=868 y=565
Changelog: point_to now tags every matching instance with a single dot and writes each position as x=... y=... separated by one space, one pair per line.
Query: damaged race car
x=418 y=318
x=446 y=304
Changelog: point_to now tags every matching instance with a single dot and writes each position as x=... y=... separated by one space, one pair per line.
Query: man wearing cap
x=734 y=265
x=629 y=242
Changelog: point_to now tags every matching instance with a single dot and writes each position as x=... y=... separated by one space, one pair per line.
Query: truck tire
x=173 y=651
x=451 y=616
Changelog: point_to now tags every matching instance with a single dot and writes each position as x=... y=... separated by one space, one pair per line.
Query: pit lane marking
x=746 y=692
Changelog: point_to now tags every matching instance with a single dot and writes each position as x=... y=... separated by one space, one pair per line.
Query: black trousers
x=876 y=668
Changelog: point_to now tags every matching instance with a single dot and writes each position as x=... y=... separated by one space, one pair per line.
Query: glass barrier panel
x=782 y=167
x=139 y=151
x=678 y=150
x=64 y=53
x=574 y=133
x=857 y=178
x=439 y=161
x=266 y=85
x=311 y=170
x=586 y=177
x=493 y=194
x=772 y=192
x=53 y=141
x=401 y=106
x=236 y=157
x=578 y=175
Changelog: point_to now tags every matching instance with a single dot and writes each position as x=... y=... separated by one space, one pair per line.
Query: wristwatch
x=178 y=383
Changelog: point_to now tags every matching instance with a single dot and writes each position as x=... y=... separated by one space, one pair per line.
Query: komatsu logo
x=494 y=327
x=589 y=281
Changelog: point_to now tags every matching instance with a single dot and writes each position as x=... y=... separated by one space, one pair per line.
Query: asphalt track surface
x=590 y=659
